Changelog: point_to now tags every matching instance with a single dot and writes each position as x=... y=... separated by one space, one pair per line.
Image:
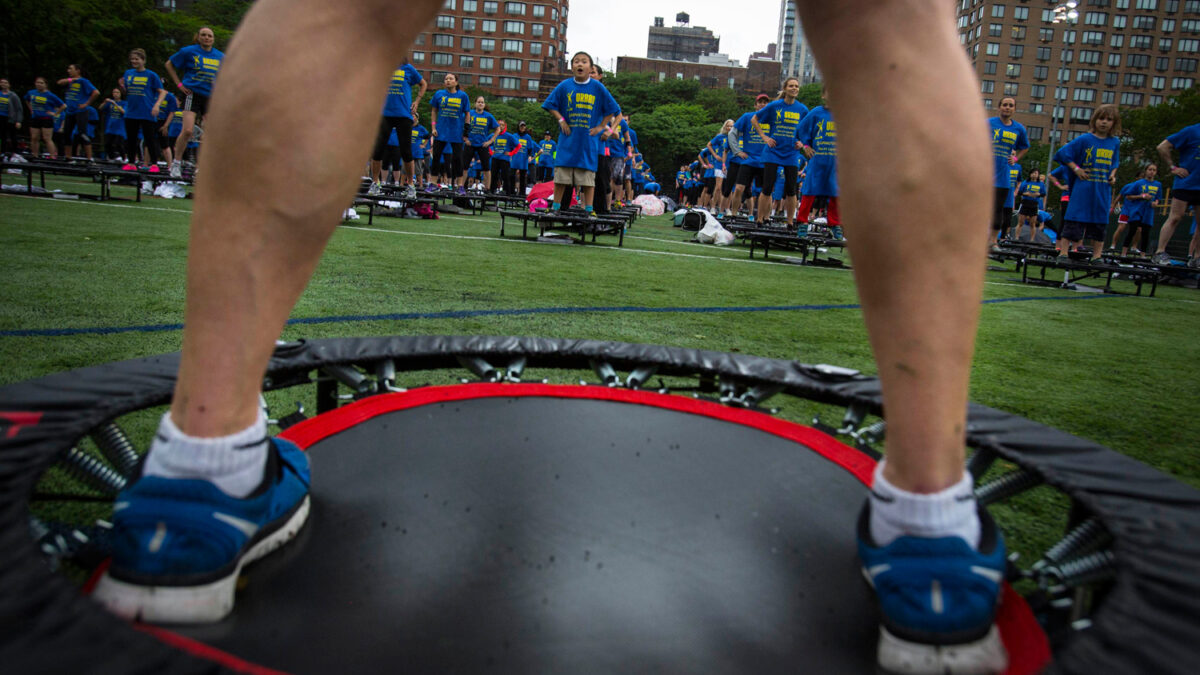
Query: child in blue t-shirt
x=1093 y=158
x=79 y=97
x=583 y=107
x=1137 y=201
x=1186 y=188
x=1031 y=191
x=504 y=147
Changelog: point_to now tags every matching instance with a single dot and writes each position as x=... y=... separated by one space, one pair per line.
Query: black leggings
x=403 y=127
x=149 y=131
x=1001 y=214
x=112 y=145
x=545 y=173
x=79 y=119
x=501 y=178
x=731 y=174
x=8 y=136
x=472 y=151
x=456 y=167
x=600 y=193
x=1142 y=233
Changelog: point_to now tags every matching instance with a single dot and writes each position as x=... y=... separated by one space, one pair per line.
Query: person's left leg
x=254 y=245
x=186 y=132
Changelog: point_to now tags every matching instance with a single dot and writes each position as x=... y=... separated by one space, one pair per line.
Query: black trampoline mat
x=542 y=535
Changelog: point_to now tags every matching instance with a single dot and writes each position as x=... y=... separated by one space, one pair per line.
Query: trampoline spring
x=116 y=448
x=92 y=471
x=1006 y=486
x=481 y=368
x=1083 y=538
x=640 y=376
x=1089 y=569
x=515 y=368
x=756 y=395
x=980 y=461
x=348 y=376
x=608 y=376
x=853 y=419
x=870 y=434
x=385 y=372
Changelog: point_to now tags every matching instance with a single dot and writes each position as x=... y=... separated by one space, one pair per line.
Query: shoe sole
x=982 y=657
x=206 y=603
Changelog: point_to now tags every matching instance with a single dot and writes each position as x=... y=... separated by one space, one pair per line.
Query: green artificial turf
x=1116 y=370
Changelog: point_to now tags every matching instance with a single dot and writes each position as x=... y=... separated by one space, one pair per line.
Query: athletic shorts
x=1028 y=208
x=1192 y=197
x=727 y=185
x=41 y=123
x=197 y=103
x=1073 y=230
x=710 y=183
x=567 y=175
x=771 y=174
x=718 y=173
x=748 y=174
x=403 y=127
x=1136 y=224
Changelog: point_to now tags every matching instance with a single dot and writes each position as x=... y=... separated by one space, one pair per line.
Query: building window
x=1146 y=4
x=1037 y=108
x=1155 y=100
x=1110 y=79
x=1021 y=13
x=1011 y=88
x=1116 y=41
x=1164 y=44
x=532 y=84
x=998 y=11
x=1085 y=95
x=1162 y=63
x=1185 y=65
x=988 y=87
x=1040 y=72
x=1060 y=93
x=1189 y=46
x=485 y=80
x=1137 y=61
x=1187 y=26
x=1087 y=76
x=995 y=30
x=535 y=48
x=1119 y=21
x=1016 y=51
x=418 y=57
x=1047 y=16
x=553 y=33
x=1144 y=22
x=445 y=22
x=1018 y=32
x=536 y=30
x=466 y=43
x=468 y=25
x=1135 y=80
x=517 y=8
x=514 y=27
x=539 y=10
x=1013 y=70
x=989 y=67
x=442 y=59
x=466 y=61
x=987 y=104
x=1095 y=18
x=1043 y=53
x=1089 y=56
x=535 y=66
x=490 y=7
x=512 y=46
x=1080 y=114
x=470 y=5
x=1141 y=42
x=1108 y=96
x=1034 y=133
x=1046 y=34
x=1158 y=83
x=487 y=63
x=420 y=39
x=1131 y=98
x=549 y=50
x=1092 y=37
x=1068 y=37
x=489 y=26
x=1168 y=25
x=487 y=45
x=1067 y=55
x=1182 y=83
x=443 y=40
x=510 y=64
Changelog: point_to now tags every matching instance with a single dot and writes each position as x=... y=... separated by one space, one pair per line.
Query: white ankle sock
x=951 y=512
x=233 y=463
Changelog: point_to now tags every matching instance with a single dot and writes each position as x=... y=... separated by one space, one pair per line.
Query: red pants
x=806 y=204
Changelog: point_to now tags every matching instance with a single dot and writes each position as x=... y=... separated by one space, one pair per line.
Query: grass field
x=1114 y=369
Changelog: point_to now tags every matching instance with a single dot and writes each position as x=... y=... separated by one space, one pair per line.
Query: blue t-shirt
x=615 y=145
x=4 y=103
x=783 y=118
x=141 y=91
x=1038 y=189
x=115 y=126
x=583 y=105
x=42 y=103
x=1091 y=196
x=1045 y=216
x=1067 y=177
x=419 y=134
x=1014 y=175
x=777 y=193
x=198 y=68
x=749 y=141
x=168 y=107
x=77 y=94
x=681 y=177
x=719 y=144
x=399 y=97
x=473 y=169
x=709 y=171
x=480 y=126
x=520 y=161
x=1005 y=141
x=59 y=119
x=819 y=131
x=176 y=125
x=504 y=145
x=546 y=151
x=451 y=110
x=1141 y=210
x=1187 y=142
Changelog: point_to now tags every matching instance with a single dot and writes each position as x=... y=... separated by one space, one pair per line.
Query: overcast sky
x=607 y=29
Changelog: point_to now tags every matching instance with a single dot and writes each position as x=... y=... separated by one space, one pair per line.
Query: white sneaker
x=176 y=169
x=375 y=190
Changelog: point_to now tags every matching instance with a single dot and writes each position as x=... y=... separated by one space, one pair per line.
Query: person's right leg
x=1178 y=208
x=253 y=244
x=923 y=342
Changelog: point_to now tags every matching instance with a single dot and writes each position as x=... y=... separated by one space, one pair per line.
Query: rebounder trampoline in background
x=659 y=520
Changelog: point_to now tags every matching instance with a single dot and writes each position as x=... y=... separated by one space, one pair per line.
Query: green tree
x=810 y=95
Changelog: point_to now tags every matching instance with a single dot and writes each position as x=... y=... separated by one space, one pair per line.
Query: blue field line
x=472 y=313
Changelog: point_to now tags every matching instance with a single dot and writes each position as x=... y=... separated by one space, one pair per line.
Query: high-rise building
x=794 y=50
x=680 y=42
x=1072 y=57
x=504 y=48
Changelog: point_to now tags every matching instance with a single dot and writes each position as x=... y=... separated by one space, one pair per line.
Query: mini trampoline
x=660 y=519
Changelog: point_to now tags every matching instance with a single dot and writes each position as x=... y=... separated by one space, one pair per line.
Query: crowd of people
x=216 y=491
x=139 y=122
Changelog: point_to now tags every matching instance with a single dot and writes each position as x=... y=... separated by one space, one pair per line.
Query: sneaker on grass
x=937 y=600
x=179 y=544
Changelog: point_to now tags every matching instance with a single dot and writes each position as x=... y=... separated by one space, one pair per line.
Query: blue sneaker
x=937 y=598
x=179 y=545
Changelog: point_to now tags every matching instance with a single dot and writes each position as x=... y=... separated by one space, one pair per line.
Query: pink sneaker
x=129 y=167
x=153 y=169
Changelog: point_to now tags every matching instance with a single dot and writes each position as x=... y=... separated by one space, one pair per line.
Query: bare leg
x=185 y=133
x=1178 y=208
x=253 y=245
